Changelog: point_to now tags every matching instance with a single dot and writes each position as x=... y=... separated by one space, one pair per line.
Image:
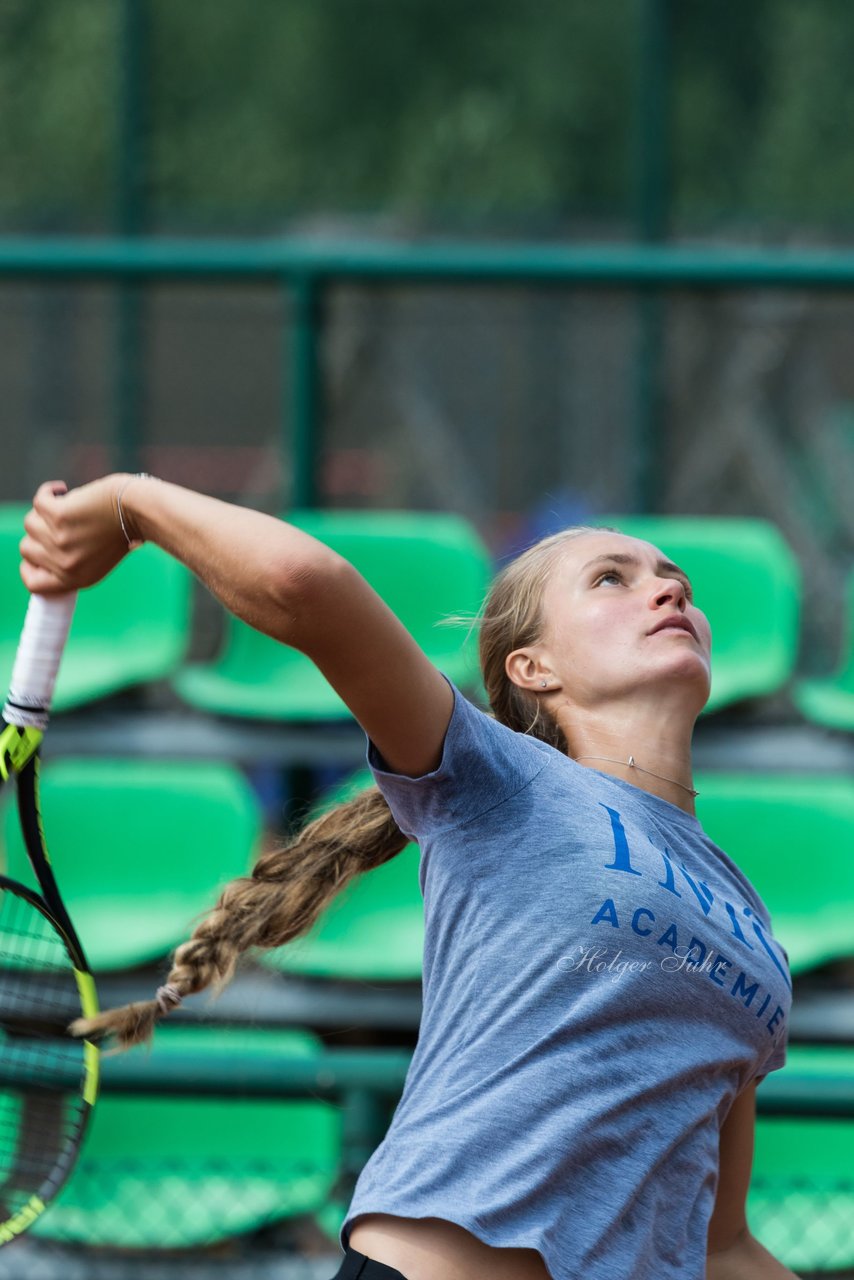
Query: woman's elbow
x=746 y=1259
x=306 y=591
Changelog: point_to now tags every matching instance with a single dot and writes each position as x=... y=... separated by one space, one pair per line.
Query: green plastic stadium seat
x=128 y=629
x=140 y=848
x=800 y=1204
x=374 y=929
x=747 y=582
x=793 y=837
x=162 y=1172
x=830 y=700
x=425 y=566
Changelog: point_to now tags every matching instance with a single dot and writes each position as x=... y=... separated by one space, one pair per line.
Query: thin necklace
x=632 y=765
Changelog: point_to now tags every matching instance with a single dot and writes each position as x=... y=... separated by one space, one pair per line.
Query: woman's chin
x=689 y=672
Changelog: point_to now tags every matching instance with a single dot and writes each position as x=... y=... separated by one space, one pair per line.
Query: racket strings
x=41 y=1066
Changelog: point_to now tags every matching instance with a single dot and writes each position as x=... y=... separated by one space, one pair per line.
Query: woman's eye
x=615 y=573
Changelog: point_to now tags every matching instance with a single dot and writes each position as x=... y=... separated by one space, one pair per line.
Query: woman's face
x=603 y=611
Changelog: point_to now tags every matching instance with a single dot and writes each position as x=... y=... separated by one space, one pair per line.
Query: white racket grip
x=40 y=647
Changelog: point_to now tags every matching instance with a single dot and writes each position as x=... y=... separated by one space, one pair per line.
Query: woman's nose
x=672 y=589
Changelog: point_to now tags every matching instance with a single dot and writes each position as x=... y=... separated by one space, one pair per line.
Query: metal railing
x=305 y=269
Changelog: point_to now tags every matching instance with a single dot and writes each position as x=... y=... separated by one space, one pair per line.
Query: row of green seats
x=237 y=1165
x=143 y=847
x=134 y=626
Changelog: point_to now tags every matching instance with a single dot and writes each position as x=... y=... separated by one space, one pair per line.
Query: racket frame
x=37 y=662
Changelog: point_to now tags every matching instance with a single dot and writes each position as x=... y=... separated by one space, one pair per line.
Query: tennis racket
x=48 y=1079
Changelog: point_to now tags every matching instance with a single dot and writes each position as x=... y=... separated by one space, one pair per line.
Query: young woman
x=602 y=987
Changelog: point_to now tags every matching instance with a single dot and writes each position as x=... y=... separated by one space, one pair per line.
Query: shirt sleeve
x=483 y=764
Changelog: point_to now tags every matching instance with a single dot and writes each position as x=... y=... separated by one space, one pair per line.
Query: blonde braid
x=288 y=889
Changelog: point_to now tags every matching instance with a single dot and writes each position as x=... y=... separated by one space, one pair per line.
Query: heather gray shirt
x=600 y=982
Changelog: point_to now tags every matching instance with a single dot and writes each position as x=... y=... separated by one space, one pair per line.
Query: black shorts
x=357 y=1266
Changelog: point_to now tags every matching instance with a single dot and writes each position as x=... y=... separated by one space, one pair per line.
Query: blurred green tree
x=57 y=90
x=468 y=115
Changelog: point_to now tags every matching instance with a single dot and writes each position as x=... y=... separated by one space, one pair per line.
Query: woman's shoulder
x=477 y=743
x=483 y=762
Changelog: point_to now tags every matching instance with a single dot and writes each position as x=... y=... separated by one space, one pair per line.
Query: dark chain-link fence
x=514 y=407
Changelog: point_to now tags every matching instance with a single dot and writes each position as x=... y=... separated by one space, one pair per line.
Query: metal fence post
x=131 y=220
x=306 y=389
x=652 y=199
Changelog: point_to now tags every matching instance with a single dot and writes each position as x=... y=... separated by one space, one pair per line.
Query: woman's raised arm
x=274 y=576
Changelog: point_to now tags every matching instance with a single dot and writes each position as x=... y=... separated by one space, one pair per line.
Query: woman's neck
x=659 y=747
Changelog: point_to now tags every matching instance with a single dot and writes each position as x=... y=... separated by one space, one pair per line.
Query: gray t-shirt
x=600 y=982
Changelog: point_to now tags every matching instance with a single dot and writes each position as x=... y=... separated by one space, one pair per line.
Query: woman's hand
x=73 y=539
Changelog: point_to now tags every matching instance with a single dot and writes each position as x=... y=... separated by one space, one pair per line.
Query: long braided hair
x=290 y=886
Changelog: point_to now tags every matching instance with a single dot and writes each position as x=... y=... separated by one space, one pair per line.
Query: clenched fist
x=73 y=538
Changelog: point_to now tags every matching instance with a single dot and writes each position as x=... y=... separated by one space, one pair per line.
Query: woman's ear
x=528 y=669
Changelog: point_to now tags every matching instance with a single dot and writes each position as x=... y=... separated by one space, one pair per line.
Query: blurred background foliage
x=487 y=116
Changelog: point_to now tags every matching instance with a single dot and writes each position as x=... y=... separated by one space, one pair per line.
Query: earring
x=544 y=683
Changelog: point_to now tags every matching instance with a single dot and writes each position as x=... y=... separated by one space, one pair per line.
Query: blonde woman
x=602 y=987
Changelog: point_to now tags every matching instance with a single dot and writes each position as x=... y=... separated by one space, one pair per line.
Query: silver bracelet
x=133 y=543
